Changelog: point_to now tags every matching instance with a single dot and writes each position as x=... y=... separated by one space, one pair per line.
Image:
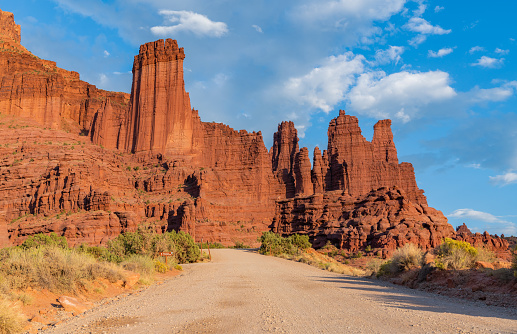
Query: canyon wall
x=90 y=164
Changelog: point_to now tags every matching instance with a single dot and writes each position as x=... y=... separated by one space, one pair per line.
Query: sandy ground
x=243 y=292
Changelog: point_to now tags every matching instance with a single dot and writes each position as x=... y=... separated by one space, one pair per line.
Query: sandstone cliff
x=90 y=164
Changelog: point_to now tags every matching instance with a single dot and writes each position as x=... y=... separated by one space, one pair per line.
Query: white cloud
x=325 y=86
x=189 y=21
x=356 y=18
x=496 y=94
x=440 y=53
x=502 y=52
x=489 y=62
x=418 y=24
x=400 y=95
x=504 y=179
x=476 y=48
x=257 y=28
x=438 y=9
x=417 y=40
x=506 y=227
x=344 y=10
x=103 y=80
x=392 y=54
x=106 y=54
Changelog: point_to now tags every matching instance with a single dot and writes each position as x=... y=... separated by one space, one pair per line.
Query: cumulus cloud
x=420 y=25
x=489 y=62
x=424 y=29
x=106 y=54
x=476 y=49
x=438 y=9
x=189 y=21
x=325 y=86
x=257 y=28
x=400 y=95
x=440 y=53
x=507 y=227
x=504 y=179
x=392 y=54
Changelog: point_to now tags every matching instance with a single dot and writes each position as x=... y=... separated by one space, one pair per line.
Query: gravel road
x=243 y=292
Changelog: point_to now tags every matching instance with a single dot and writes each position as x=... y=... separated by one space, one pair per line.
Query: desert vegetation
x=298 y=248
x=46 y=262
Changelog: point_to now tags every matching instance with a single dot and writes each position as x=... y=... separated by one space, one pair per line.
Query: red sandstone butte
x=90 y=164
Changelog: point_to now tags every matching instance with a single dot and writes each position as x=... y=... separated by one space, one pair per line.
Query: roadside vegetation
x=450 y=255
x=46 y=262
x=298 y=248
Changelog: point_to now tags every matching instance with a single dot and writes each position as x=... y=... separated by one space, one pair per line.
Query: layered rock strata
x=148 y=159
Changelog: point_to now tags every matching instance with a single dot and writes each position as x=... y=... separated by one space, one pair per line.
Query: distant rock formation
x=90 y=164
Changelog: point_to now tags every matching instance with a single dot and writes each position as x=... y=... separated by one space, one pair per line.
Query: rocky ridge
x=90 y=164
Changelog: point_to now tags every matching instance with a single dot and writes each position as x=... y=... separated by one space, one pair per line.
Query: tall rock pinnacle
x=160 y=119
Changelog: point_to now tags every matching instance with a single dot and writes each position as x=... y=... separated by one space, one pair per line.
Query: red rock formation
x=283 y=152
x=160 y=118
x=8 y=28
x=358 y=166
x=382 y=219
x=37 y=89
x=302 y=172
x=173 y=171
x=319 y=171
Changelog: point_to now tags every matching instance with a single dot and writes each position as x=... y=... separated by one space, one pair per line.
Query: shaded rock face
x=147 y=158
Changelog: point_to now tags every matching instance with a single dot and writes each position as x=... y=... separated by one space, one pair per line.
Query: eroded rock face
x=149 y=159
x=37 y=89
x=384 y=218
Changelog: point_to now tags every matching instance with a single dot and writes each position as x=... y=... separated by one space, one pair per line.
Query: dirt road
x=244 y=292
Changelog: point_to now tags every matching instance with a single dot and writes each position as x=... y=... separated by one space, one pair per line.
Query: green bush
x=274 y=244
x=41 y=239
x=149 y=243
x=454 y=254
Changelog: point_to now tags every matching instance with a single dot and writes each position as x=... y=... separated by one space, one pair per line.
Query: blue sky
x=444 y=72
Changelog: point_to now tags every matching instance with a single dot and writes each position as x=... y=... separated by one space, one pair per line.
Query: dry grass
x=315 y=259
x=11 y=320
x=405 y=258
x=52 y=268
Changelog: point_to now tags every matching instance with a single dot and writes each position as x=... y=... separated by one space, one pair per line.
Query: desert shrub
x=100 y=253
x=141 y=264
x=373 y=267
x=454 y=254
x=213 y=245
x=160 y=267
x=274 y=244
x=405 y=258
x=41 y=239
x=485 y=255
x=178 y=267
x=514 y=261
x=11 y=320
x=240 y=245
x=149 y=243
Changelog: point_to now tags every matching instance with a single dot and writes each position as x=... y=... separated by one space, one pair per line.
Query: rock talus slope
x=90 y=164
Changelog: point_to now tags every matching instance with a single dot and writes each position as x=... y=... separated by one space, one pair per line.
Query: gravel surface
x=241 y=291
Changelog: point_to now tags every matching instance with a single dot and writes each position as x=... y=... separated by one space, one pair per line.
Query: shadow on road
x=405 y=298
